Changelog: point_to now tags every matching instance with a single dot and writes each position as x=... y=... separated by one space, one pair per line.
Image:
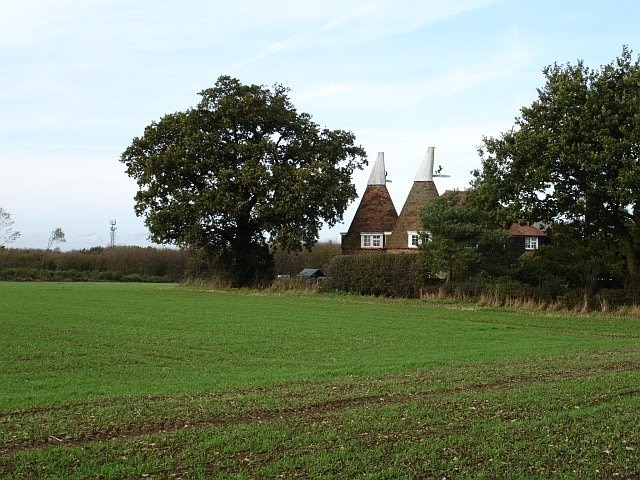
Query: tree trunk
x=253 y=263
x=630 y=253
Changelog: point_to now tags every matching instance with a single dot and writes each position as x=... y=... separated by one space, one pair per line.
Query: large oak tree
x=240 y=172
x=573 y=156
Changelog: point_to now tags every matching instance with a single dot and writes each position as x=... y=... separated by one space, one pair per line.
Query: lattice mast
x=112 y=229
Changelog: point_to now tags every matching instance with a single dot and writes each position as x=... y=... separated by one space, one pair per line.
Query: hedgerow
x=386 y=275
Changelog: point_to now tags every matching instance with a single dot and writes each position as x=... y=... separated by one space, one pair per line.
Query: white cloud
x=337 y=23
x=382 y=18
x=413 y=98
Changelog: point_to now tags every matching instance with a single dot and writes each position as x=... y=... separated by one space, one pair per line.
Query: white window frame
x=531 y=243
x=411 y=236
x=420 y=235
x=372 y=240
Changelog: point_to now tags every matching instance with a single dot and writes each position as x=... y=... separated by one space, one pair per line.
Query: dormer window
x=372 y=240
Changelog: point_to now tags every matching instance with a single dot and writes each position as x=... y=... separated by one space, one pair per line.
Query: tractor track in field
x=313 y=410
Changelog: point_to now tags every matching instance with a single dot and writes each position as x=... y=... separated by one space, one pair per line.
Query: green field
x=162 y=381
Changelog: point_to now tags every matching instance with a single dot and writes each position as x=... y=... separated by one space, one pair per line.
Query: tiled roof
x=409 y=219
x=376 y=213
x=517 y=230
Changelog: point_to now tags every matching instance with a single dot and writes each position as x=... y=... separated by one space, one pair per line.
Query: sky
x=79 y=79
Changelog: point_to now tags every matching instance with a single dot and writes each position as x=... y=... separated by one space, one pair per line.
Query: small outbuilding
x=311 y=273
x=526 y=238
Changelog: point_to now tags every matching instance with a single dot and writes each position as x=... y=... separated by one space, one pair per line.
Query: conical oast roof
x=422 y=192
x=376 y=212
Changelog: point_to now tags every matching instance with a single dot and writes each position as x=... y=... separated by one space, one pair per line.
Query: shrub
x=387 y=275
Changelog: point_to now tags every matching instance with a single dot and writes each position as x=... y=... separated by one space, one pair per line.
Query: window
x=371 y=240
x=415 y=238
x=530 y=243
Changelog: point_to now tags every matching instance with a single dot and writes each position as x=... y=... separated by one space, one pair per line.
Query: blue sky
x=79 y=79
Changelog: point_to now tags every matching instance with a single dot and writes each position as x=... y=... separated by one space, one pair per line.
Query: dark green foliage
x=574 y=261
x=241 y=172
x=387 y=275
x=573 y=157
x=463 y=238
x=572 y=270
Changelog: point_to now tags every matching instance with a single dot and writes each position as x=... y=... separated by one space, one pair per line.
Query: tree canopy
x=56 y=236
x=239 y=172
x=573 y=156
x=462 y=239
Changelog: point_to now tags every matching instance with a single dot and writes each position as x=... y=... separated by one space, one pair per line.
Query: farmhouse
x=376 y=226
x=526 y=238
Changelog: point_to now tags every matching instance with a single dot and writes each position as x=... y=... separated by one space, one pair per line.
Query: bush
x=386 y=275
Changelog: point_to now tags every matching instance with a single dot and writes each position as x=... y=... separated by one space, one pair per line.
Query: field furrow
x=179 y=383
